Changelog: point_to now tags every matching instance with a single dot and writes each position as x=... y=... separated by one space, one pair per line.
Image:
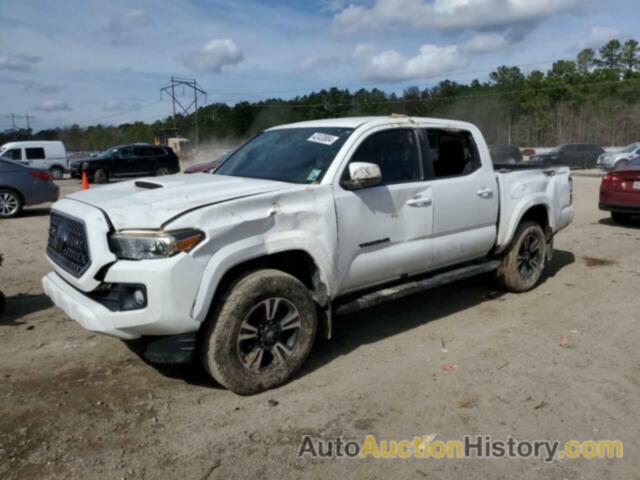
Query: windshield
x=295 y=155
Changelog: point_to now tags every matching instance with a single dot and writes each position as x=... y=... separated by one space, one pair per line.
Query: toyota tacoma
x=243 y=266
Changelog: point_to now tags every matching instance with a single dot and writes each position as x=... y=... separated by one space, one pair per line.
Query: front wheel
x=101 y=176
x=524 y=261
x=261 y=333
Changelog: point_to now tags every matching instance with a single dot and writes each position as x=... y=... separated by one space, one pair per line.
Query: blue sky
x=93 y=61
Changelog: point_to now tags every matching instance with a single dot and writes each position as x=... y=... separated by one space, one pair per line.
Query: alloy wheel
x=268 y=334
x=9 y=204
x=529 y=256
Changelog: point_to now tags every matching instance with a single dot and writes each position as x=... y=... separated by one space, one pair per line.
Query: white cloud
x=53 y=105
x=18 y=62
x=123 y=28
x=598 y=37
x=486 y=43
x=213 y=56
x=450 y=14
x=431 y=61
x=313 y=64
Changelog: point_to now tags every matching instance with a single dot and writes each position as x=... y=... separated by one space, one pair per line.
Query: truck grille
x=68 y=246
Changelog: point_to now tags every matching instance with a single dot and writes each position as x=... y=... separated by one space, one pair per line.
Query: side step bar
x=409 y=288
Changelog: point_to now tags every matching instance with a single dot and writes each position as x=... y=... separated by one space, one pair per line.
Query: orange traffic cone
x=85 y=181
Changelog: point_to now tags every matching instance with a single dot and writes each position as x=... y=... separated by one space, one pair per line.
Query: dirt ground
x=78 y=405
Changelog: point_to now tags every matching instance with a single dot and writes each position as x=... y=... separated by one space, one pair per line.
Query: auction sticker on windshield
x=322 y=138
x=636 y=185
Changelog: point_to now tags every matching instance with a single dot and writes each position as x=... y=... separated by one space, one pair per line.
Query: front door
x=384 y=231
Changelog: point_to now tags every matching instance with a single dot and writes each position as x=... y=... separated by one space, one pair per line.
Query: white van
x=49 y=155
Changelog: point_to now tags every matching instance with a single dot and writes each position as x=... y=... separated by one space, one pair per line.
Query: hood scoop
x=147 y=185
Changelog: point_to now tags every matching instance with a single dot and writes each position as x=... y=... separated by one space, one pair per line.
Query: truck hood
x=154 y=201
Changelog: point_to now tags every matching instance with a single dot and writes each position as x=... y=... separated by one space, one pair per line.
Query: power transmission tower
x=14 y=117
x=185 y=83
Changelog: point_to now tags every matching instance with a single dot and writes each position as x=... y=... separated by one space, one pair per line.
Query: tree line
x=594 y=98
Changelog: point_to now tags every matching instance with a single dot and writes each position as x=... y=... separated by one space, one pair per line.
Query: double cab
x=307 y=221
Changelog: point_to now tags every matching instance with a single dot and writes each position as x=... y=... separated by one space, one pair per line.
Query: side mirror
x=363 y=174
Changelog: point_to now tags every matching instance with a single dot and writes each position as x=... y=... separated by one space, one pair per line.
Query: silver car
x=615 y=160
x=22 y=186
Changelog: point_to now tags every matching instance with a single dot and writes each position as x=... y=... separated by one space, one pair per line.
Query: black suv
x=127 y=161
x=576 y=155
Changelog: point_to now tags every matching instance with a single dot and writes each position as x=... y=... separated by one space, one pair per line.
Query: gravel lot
x=78 y=405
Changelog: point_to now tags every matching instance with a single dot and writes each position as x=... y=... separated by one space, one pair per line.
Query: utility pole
x=170 y=89
x=13 y=121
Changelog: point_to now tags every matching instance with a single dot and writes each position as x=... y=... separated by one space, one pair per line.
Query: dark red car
x=207 y=166
x=620 y=192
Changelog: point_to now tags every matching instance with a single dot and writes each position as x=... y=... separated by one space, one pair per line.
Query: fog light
x=138 y=297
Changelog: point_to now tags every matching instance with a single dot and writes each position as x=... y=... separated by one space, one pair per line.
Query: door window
x=395 y=152
x=13 y=154
x=452 y=153
x=126 y=153
x=144 y=151
x=34 y=153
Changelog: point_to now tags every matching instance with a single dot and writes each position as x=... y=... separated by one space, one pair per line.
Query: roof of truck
x=355 y=122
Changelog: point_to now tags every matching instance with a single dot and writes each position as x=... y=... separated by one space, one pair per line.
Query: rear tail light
x=41 y=175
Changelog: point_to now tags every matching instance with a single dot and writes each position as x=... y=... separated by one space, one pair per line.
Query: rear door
x=145 y=159
x=384 y=231
x=465 y=197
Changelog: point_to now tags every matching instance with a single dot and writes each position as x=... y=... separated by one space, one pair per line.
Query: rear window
x=35 y=153
x=453 y=153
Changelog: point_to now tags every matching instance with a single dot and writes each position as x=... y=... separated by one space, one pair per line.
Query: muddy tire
x=261 y=332
x=101 y=176
x=524 y=261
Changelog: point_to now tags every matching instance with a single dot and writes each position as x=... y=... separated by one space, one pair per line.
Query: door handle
x=419 y=202
x=485 y=193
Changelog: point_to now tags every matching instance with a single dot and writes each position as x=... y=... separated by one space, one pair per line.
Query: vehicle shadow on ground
x=20 y=306
x=633 y=224
x=396 y=317
x=36 y=212
x=376 y=324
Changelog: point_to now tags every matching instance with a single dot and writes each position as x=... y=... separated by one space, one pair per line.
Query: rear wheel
x=621 y=217
x=261 y=333
x=162 y=170
x=10 y=203
x=101 y=176
x=57 y=173
x=524 y=261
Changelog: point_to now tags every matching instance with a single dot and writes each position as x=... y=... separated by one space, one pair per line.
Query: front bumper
x=171 y=287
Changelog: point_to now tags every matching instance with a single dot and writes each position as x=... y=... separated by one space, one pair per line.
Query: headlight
x=150 y=244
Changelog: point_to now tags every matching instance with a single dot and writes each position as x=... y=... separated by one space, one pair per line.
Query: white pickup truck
x=302 y=222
